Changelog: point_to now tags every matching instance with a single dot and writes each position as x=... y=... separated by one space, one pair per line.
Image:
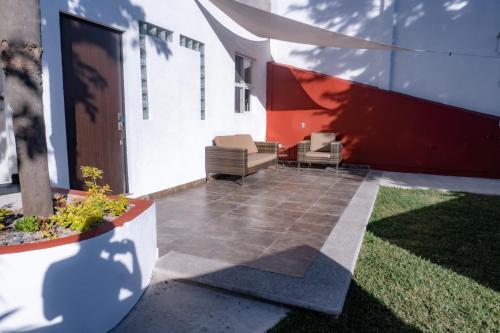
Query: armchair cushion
x=318 y=154
x=259 y=158
x=242 y=141
x=321 y=141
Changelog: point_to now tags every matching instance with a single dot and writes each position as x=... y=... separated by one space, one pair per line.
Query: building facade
x=139 y=88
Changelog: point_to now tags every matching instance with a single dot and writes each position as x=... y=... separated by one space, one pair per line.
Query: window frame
x=244 y=86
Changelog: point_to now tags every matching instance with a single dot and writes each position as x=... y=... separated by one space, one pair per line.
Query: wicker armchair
x=239 y=157
x=325 y=150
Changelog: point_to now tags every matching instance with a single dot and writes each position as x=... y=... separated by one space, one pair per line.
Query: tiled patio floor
x=278 y=221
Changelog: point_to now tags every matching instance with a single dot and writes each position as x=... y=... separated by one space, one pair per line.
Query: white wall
x=462 y=26
x=87 y=286
x=168 y=149
x=8 y=159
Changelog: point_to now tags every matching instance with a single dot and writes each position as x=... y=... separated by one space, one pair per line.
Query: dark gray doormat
x=324 y=286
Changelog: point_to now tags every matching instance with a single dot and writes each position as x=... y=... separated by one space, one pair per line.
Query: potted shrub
x=73 y=214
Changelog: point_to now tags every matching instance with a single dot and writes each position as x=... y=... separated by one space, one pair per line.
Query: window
x=242 y=83
x=148 y=29
x=200 y=47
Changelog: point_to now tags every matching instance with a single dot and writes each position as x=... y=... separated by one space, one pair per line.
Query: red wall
x=386 y=130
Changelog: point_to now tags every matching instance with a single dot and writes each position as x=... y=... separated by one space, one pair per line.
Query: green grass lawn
x=430 y=262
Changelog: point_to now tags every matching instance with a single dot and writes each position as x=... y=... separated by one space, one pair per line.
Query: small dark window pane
x=237 y=99
x=247 y=65
x=247 y=99
x=238 y=68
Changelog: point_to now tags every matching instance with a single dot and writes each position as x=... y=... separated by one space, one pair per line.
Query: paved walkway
x=178 y=307
x=276 y=222
x=10 y=197
x=323 y=287
x=446 y=183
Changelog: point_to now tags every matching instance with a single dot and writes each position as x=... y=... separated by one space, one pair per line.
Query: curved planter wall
x=81 y=283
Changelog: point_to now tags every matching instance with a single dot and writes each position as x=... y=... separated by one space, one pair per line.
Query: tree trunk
x=20 y=58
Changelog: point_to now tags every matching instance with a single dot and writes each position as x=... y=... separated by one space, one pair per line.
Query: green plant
x=87 y=214
x=60 y=200
x=429 y=263
x=81 y=217
x=4 y=212
x=118 y=206
x=27 y=224
x=97 y=193
x=91 y=175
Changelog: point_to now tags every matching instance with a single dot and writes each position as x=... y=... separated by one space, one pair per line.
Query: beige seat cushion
x=321 y=141
x=259 y=158
x=318 y=154
x=242 y=141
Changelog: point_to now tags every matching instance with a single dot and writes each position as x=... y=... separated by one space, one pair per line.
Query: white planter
x=81 y=283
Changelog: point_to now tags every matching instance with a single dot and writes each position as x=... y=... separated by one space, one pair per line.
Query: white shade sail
x=268 y=25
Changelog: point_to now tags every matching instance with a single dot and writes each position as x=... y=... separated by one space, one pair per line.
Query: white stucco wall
x=87 y=286
x=462 y=26
x=8 y=162
x=167 y=149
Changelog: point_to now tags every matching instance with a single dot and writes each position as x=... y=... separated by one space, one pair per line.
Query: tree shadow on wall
x=368 y=119
x=422 y=22
x=87 y=81
x=122 y=13
x=91 y=289
x=355 y=18
x=233 y=42
x=339 y=108
x=381 y=128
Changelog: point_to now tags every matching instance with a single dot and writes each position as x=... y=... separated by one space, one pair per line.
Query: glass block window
x=243 y=87
x=199 y=47
x=148 y=29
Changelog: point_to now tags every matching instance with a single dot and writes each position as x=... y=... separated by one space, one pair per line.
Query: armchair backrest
x=321 y=141
x=243 y=141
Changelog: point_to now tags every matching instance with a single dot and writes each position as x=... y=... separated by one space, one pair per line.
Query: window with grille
x=200 y=47
x=243 y=87
x=164 y=35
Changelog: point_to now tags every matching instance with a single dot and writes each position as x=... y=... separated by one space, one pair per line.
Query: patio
x=285 y=236
x=278 y=222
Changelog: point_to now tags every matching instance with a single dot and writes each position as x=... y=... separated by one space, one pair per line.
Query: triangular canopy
x=268 y=25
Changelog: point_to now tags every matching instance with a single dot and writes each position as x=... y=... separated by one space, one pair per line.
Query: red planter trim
x=139 y=207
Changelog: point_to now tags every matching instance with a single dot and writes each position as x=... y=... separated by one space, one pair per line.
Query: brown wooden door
x=93 y=99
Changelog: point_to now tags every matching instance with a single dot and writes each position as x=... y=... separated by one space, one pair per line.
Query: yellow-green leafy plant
x=27 y=224
x=81 y=217
x=4 y=212
x=91 y=175
x=118 y=206
x=48 y=228
x=60 y=200
x=87 y=214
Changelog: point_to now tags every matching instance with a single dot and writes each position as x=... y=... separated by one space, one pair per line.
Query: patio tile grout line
x=276 y=185
x=298 y=218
